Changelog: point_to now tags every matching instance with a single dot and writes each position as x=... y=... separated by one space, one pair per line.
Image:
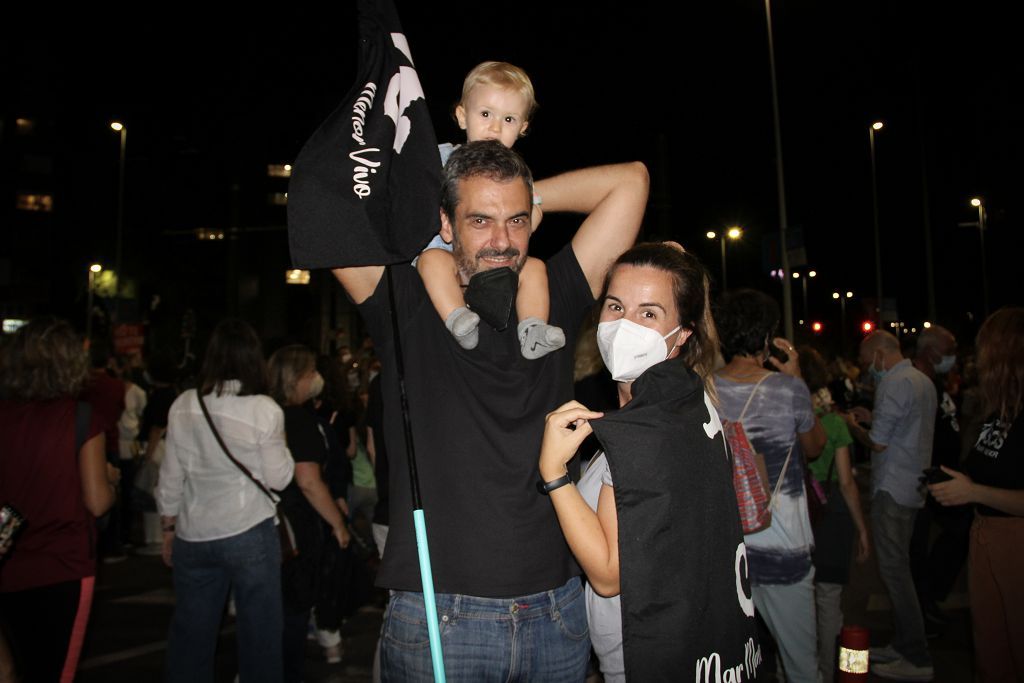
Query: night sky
x=209 y=103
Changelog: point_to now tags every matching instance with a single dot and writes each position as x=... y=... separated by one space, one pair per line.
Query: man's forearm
x=863 y=438
x=583 y=190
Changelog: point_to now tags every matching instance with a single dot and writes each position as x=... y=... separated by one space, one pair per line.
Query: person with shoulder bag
x=218 y=523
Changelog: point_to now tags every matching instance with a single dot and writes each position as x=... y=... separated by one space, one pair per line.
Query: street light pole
x=842 y=316
x=123 y=130
x=787 y=290
x=803 y=284
x=877 y=125
x=93 y=270
x=982 y=216
x=732 y=233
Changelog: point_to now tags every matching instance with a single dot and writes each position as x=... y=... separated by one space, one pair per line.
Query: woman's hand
x=863 y=546
x=341 y=535
x=165 y=548
x=792 y=365
x=957 y=491
x=565 y=428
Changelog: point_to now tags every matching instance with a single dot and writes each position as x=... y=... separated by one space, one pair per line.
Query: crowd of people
x=256 y=481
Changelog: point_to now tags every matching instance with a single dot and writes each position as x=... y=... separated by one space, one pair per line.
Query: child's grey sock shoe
x=464 y=325
x=538 y=339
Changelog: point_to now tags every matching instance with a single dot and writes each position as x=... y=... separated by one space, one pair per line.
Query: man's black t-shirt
x=477 y=421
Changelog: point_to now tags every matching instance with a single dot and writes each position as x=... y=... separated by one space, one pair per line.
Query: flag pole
x=422 y=548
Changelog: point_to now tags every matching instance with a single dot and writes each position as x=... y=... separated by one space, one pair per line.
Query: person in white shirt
x=218 y=525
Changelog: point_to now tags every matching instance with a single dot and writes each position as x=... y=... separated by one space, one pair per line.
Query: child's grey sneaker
x=464 y=325
x=537 y=338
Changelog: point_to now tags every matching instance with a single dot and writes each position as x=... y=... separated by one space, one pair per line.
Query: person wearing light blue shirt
x=900 y=440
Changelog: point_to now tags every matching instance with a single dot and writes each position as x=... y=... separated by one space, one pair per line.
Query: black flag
x=687 y=611
x=366 y=187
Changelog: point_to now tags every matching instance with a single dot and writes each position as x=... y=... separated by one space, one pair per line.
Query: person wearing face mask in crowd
x=654 y=517
x=778 y=417
x=935 y=570
x=902 y=427
x=294 y=383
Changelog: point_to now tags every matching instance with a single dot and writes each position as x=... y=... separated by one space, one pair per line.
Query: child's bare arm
x=533 y=300
x=441 y=280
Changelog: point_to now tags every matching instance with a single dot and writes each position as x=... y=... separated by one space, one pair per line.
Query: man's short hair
x=485 y=158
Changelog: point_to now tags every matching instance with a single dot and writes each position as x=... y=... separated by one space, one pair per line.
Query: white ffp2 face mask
x=628 y=348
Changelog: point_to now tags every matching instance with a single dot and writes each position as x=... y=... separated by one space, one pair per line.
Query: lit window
x=278 y=198
x=35 y=202
x=24 y=126
x=279 y=170
x=296 y=277
x=11 y=325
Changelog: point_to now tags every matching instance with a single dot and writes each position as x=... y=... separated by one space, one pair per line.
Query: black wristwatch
x=546 y=487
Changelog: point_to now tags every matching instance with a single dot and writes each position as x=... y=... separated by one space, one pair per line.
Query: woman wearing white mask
x=294 y=382
x=653 y=522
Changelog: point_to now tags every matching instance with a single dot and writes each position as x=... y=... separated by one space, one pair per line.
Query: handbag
x=750 y=474
x=289 y=548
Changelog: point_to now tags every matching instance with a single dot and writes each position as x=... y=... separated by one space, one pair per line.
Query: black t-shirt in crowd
x=477 y=420
x=307 y=443
x=375 y=421
x=997 y=460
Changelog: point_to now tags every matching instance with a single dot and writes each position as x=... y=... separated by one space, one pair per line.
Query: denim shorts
x=539 y=637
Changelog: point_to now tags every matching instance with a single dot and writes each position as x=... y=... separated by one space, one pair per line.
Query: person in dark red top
x=54 y=472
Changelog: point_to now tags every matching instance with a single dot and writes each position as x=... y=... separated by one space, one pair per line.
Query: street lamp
x=979 y=204
x=733 y=233
x=94 y=270
x=841 y=298
x=803 y=283
x=119 y=127
x=876 y=126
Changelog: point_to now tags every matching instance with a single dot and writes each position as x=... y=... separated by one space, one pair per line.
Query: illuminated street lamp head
x=735 y=233
x=710 y=234
x=849 y=295
x=796 y=276
x=95 y=268
x=117 y=125
x=812 y=273
x=877 y=125
x=976 y=202
x=835 y=295
x=927 y=325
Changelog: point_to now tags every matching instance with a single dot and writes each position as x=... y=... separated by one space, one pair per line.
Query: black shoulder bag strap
x=224 y=447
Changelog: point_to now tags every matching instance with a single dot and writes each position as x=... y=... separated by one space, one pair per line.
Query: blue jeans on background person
x=541 y=637
x=204 y=572
x=892 y=525
x=790 y=614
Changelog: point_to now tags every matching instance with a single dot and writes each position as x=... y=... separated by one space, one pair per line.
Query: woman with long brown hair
x=218 y=522
x=53 y=471
x=994 y=484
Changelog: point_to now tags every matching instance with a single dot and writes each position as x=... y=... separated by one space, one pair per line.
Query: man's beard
x=470 y=265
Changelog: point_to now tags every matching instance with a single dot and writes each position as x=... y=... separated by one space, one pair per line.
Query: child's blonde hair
x=501 y=75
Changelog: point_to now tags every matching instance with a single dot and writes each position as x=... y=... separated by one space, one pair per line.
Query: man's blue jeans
x=204 y=572
x=541 y=637
x=892 y=525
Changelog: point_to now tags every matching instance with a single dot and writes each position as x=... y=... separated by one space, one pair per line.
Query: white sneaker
x=884 y=655
x=902 y=670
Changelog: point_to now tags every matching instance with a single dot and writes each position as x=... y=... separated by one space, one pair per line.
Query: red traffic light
x=867 y=326
x=817 y=326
